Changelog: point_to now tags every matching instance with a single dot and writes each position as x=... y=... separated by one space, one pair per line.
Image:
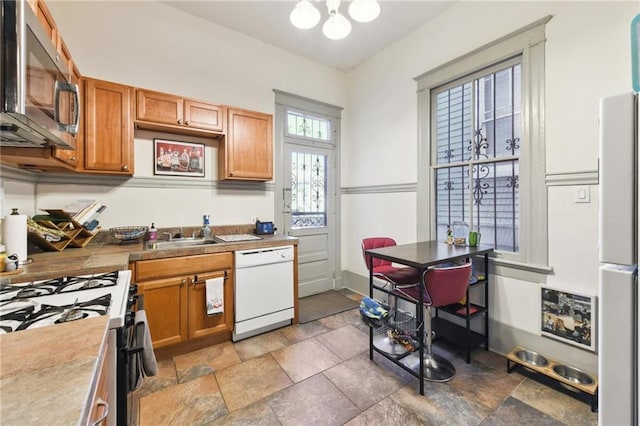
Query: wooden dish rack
x=75 y=234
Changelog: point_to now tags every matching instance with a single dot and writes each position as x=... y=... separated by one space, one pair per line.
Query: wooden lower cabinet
x=174 y=298
x=165 y=302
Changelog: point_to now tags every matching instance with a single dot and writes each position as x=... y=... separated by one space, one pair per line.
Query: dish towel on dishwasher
x=215 y=296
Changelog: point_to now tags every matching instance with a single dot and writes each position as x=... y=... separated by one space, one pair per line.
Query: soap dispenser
x=206 y=231
x=153 y=232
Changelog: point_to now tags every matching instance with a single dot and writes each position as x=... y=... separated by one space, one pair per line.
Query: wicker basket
x=129 y=233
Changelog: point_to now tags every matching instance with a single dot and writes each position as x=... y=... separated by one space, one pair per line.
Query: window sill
x=518 y=270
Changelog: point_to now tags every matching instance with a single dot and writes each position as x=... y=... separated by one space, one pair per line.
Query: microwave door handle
x=67 y=87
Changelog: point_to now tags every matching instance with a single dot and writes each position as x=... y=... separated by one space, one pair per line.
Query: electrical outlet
x=582 y=194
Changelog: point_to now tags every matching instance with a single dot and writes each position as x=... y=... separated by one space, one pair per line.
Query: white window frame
x=529 y=42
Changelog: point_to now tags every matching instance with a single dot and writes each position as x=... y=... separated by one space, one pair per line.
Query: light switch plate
x=582 y=194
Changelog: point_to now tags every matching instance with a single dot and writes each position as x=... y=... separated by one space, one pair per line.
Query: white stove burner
x=59 y=285
x=105 y=294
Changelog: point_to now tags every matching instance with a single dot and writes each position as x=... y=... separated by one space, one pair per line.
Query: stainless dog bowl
x=573 y=374
x=532 y=358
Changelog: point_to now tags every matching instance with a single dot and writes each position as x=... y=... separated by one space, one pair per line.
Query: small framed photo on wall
x=569 y=317
x=174 y=158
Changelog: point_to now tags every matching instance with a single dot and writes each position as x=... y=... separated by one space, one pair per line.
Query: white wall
x=150 y=45
x=587 y=57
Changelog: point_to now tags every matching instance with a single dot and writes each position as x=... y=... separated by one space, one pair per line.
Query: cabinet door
x=159 y=107
x=108 y=143
x=165 y=302
x=203 y=116
x=201 y=324
x=46 y=20
x=247 y=153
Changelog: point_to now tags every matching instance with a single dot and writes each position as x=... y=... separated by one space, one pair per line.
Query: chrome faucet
x=168 y=234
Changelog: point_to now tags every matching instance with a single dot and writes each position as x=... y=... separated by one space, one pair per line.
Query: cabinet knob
x=179 y=121
x=73 y=159
x=183 y=282
x=125 y=167
x=187 y=122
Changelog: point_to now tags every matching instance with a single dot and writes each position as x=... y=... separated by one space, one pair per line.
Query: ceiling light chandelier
x=305 y=16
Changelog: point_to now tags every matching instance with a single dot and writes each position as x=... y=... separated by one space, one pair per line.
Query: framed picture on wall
x=569 y=317
x=174 y=158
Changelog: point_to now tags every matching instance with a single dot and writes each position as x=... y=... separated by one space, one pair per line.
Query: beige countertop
x=48 y=375
x=98 y=257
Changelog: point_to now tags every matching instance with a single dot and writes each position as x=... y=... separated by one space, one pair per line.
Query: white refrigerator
x=618 y=303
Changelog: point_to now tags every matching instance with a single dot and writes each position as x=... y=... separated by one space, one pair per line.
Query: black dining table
x=422 y=255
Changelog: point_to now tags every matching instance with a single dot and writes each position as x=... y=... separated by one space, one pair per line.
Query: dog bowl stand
x=592 y=389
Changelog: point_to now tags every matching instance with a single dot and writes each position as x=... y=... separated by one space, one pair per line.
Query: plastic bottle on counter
x=153 y=232
x=206 y=231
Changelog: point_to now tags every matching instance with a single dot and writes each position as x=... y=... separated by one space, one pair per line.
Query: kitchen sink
x=178 y=243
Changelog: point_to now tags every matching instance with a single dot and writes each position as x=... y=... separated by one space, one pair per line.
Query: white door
x=307 y=177
x=309 y=214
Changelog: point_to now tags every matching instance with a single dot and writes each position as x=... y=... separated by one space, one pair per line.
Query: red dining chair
x=443 y=286
x=394 y=276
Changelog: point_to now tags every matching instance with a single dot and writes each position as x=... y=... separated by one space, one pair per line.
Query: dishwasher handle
x=257 y=257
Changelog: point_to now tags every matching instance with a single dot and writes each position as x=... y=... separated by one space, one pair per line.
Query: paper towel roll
x=15 y=235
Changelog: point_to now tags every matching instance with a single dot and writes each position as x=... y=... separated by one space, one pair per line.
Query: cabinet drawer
x=174 y=266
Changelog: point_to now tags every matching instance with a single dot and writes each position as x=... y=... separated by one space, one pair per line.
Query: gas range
x=49 y=302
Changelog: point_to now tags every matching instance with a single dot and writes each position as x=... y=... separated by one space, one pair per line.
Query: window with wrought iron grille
x=476 y=123
x=481 y=151
x=308 y=170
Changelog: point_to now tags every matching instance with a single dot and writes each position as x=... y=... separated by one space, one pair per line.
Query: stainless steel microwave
x=40 y=104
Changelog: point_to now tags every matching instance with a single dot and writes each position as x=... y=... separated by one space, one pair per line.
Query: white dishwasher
x=263 y=290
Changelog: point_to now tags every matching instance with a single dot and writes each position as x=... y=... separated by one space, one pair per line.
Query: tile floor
x=319 y=373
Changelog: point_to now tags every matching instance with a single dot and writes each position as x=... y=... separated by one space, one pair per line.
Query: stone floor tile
x=259 y=345
x=315 y=401
x=165 y=377
x=346 y=342
x=515 y=412
x=441 y=404
x=246 y=383
x=258 y=414
x=205 y=361
x=473 y=380
x=197 y=402
x=350 y=317
x=386 y=412
x=303 y=360
x=549 y=397
x=298 y=332
x=363 y=381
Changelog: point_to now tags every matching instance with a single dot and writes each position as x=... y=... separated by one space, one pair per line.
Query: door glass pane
x=307 y=126
x=308 y=190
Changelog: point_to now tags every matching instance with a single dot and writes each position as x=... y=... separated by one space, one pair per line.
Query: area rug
x=322 y=305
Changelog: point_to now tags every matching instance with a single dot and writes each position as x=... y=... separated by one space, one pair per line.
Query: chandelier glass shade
x=304 y=15
x=337 y=26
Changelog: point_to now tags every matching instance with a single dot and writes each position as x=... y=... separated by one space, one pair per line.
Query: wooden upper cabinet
x=247 y=152
x=203 y=116
x=108 y=143
x=46 y=19
x=158 y=107
x=165 y=112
